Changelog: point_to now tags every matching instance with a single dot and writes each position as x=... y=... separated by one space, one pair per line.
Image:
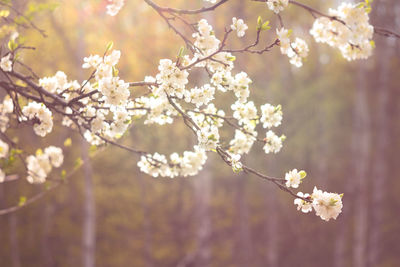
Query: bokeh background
x=341 y=119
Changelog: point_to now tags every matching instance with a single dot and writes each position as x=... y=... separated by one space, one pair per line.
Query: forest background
x=342 y=125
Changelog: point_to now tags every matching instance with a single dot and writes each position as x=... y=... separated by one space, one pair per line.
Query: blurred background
x=341 y=119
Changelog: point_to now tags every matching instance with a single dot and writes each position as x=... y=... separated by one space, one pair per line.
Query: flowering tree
x=103 y=107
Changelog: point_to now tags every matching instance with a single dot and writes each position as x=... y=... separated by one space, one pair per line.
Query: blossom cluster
x=187 y=165
x=350 y=32
x=41 y=164
x=239 y=26
x=297 y=51
x=293 y=178
x=102 y=108
x=326 y=205
x=277 y=5
x=169 y=89
x=41 y=116
x=109 y=99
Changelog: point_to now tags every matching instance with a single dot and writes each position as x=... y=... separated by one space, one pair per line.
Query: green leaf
x=12 y=45
x=303 y=174
x=237 y=170
x=63 y=174
x=109 y=46
x=115 y=71
x=4 y=13
x=47 y=185
x=22 y=201
x=372 y=43
x=181 y=52
x=39 y=152
x=16 y=151
x=332 y=202
x=92 y=148
x=259 y=23
x=78 y=162
x=265 y=26
x=68 y=142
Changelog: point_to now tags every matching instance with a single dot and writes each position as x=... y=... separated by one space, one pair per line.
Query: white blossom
x=115 y=90
x=277 y=5
x=55 y=155
x=234 y=160
x=6 y=63
x=171 y=79
x=271 y=116
x=297 y=51
x=240 y=85
x=114 y=7
x=239 y=26
x=242 y=142
x=2 y=176
x=188 y=165
x=326 y=205
x=273 y=143
x=40 y=165
x=36 y=172
x=205 y=38
x=293 y=178
x=41 y=113
x=245 y=113
x=6 y=108
x=303 y=205
x=93 y=61
x=208 y=138
x=3 y=149
x=200 y=96
x=351 y=33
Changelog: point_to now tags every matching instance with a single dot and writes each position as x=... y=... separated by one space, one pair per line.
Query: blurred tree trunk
x=361 y=141
x=12 y=218
x=12 y=231
x=48 y=213
x=89 y=209
x=147 y=246
x=243 y=241
x=89 y=213
x=203 y=187
x=243 y=246
x=14 y=247
x=178 y=222
x=272 y=226
x=323 y=135
x=385 y=17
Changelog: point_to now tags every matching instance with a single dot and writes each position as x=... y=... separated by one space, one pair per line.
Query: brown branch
x=185 y=11
x=385 y=32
